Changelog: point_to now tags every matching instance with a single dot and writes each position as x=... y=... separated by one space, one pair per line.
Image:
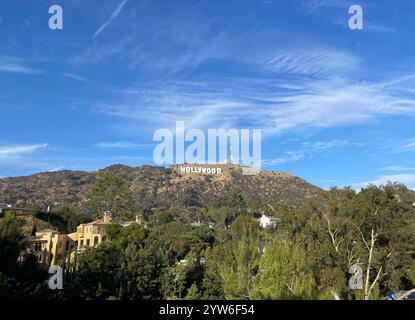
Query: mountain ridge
x=158 y=187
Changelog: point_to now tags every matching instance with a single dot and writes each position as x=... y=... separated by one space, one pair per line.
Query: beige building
x=91 y=234
x=49 y=247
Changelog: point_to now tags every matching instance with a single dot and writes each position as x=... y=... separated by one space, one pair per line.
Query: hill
x=158 y=187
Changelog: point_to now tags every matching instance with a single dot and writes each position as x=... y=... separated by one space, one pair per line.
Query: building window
x=87 y=243
x=81 y=244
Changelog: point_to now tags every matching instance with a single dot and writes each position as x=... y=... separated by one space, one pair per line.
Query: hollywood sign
x=201 y=170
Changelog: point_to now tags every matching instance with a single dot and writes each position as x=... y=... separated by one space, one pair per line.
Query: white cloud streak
x=313 y=62
x=309 y=149
x=122 y=145
x=409 y=146
x=315 y=104
x=337 y=103
x=114 y=14
x=74 y=76
x=16 y=65
x=398 y=168
x=14 y=151
x=405 y=178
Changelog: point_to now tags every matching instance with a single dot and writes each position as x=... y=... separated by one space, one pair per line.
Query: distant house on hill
x=5 y=205
x=209 y=224
x=266 y=221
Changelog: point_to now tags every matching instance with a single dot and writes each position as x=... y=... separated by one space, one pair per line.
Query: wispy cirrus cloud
x=9 y=152
x=310 y=104
x=74 y=76
x=114 y=14
x=312 y=6
x=307 y=150
x=288 y=156
x=313 y=62
x=398 y=168
x=167 y=46
x=298 y=87
x=406 y=179
x=335 y=103
x=122 y=145
x=410 y=146
x=16 y=65
x=406 y=145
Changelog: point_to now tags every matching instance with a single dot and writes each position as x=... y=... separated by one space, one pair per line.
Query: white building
x=265 y=221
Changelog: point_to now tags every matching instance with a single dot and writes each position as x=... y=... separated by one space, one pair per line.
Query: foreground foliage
x=307 y=255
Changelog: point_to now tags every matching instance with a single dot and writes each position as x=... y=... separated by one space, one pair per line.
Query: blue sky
x=336 y=106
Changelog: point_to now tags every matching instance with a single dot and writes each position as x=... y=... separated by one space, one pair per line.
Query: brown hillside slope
x=157 y=187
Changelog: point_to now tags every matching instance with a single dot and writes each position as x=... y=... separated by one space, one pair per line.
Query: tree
x=113 y=231
x=222 y=216
x=64 y=218
x=143 y=270
x=383 y=220
x=283 y=273
x=19 y=279
x=97 y=275
x=372 y=229
x=10 y=244
x=245 y=227
x=236 y=261
x=235 y=200
x=183 y=275
x=111 y=193
x=130 y=266
x=10 y=247
x=238 y=268
x=163 y=217
x=29 y=279
x=193 y=292
x=212 y=285
x=132 y=234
